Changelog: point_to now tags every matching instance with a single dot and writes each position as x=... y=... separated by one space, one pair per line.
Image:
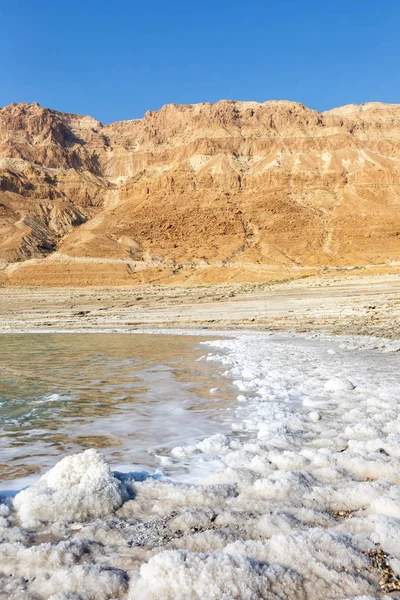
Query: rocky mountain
x=204 y=192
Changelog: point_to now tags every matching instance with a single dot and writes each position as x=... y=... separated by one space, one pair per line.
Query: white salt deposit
x=336 y=384
x=80 y=486
x=305 y=495
x=179 y=575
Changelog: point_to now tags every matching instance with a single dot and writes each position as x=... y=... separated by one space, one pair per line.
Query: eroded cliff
x=218 y=191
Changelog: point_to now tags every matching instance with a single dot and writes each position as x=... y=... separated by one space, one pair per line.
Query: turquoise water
x=132 y=395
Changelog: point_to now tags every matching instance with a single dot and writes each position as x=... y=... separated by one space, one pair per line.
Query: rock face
x=225 y=187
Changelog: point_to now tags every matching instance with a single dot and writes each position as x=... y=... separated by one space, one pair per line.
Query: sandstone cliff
x=201 y=192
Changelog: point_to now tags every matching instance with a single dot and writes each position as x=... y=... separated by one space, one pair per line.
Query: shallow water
x=132 y=395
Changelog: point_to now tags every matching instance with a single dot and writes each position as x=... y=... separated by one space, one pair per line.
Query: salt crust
x=178 y=575
x=309 y=486
x=79 y=487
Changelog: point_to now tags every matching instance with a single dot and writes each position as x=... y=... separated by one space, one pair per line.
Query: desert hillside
x=195 y=193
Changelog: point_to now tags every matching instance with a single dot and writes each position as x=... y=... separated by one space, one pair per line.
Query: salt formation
x=78 y=487
x=304 y=503
x=180 y=575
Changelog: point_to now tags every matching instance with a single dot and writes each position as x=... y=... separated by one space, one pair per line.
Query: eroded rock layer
x=227 y=188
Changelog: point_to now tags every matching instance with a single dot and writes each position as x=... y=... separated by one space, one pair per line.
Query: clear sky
x=115 y=59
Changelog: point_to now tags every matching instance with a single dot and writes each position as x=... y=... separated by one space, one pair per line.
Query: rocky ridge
x=196 y=193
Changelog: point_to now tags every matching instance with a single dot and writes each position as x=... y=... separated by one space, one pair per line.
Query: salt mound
x=82 y=582
x=182 y=575
x=336 y=384
x=79 y=487
x=318 y=555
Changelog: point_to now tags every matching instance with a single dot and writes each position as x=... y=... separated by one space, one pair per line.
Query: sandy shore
x=367 y=305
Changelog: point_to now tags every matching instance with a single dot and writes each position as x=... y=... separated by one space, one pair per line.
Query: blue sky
x=117 y=59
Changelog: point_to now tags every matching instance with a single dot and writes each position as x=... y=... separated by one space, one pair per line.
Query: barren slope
x=223 y=191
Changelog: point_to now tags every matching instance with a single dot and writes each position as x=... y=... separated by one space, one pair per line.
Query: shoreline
x=209 y=336
x=312 y=487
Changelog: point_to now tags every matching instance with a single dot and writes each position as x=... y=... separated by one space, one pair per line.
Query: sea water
x=133 y=396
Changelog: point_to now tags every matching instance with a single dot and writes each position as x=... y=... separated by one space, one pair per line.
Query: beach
x=366 y=305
